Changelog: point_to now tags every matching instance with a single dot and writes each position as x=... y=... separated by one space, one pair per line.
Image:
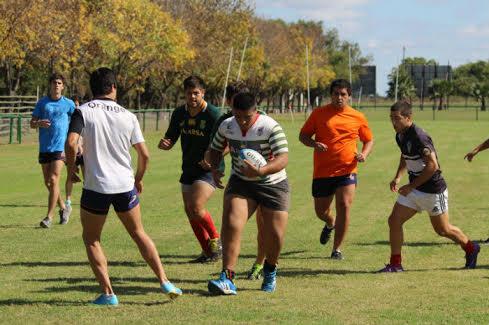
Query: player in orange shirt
x=332 y=131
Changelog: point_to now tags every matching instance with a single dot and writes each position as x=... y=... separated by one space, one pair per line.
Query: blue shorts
x=99 y=203
x=323 y=187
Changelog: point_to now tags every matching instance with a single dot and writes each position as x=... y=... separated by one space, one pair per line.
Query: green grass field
x=45 y=277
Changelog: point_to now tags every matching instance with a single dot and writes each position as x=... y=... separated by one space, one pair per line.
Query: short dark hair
x=244 y=101
x=340 y=83
x=101 y=81
x=235 y=88
x=403 y=107
x=56 y=76
x=193 y=82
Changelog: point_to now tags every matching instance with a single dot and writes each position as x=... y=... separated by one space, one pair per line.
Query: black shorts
x=47 y=157
x=271 y=196
x=188 y=179
x=99 y=203
x=323 y=187
x=79 y=160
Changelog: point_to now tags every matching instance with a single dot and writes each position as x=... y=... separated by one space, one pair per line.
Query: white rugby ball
x=254 y=157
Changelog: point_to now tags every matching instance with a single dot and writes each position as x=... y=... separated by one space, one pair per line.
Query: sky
x=447 y=31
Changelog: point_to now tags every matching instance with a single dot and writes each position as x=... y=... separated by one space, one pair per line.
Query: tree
x=477 y=73
x=138 y=41
x=441 y=89
x=405 y=85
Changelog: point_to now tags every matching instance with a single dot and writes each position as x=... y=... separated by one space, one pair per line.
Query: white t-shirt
x=108 y=134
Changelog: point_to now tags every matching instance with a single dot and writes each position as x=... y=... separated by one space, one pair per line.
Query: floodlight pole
x=242 y=58
x=397 y=81
x=307 y=80
x=349 y=68
x=227 y=77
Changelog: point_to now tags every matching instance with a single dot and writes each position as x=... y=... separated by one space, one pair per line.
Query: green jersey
x=195 y=135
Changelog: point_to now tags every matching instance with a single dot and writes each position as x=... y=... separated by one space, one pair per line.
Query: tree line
x=154 y=44
x=470 y=80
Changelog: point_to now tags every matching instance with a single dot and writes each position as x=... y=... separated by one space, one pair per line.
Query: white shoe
x=64 y=215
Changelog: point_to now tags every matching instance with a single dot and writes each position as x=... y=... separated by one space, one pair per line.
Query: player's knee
x=51 y=181
x=196 y=212
x=442 y=231
x=393 y=221
x=90 y=240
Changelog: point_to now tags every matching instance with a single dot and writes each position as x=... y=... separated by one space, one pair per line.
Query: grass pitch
x=45 y=277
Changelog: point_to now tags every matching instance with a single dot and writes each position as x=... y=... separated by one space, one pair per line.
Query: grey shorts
x=271 y=196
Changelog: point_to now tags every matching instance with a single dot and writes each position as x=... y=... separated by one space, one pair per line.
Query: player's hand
x=360 y=157
x=249 y=170
x=217 y=175
x=139 y=186
x=205 y=165
x=405 y=189
x=75 y=178
x=320 y=146
x=165 y=144
x=470 y=156
x=393 y=184
x=44 y=123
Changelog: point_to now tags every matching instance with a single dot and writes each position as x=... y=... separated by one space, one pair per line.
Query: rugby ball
x=254 y=157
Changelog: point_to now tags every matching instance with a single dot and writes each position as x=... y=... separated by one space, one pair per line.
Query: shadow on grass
x=191 y=257
x=57 y=302
x=23 y=206
x=301 y=272
x=114 y=280
x=410 y=244
x=18 y=226
x=72 y=263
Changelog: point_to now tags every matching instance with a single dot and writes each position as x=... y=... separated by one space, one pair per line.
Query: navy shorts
x=79 y=160
x=187 y=179
x=323 y=187
x=99 y=203
x=47 y=157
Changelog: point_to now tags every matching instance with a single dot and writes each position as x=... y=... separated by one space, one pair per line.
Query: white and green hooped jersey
x=265 y=136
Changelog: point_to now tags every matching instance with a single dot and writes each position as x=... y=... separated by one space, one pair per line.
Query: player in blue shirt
x=52 y=116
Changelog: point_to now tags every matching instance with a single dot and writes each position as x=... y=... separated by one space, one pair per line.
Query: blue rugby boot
x=170 y=290
x=224 y=285
x=107 y=300
x=269 y=278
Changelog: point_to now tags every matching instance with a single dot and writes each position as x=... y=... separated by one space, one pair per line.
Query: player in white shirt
x=109 y=131
x=250 y=187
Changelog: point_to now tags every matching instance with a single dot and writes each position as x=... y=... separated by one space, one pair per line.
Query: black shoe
x=325 y=234
x=202 y=258
x=336 y=255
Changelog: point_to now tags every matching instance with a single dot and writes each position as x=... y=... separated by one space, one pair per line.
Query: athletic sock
x=201 y=234
x=469 y=247
x=208 y=225
x=230 y=274
x=269 y=267
x=396 y=260
x=68 y=203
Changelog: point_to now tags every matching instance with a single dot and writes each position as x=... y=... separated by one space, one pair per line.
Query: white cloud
x=344 y=15
x=475 y=31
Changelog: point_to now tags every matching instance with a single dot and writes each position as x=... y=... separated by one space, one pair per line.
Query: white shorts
x=434 y=203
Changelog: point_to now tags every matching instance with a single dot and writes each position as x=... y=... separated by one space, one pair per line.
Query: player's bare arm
x=483 y=146
x=165 y=144
x=273 y=166
x=37 y=123
x=431 y=167
x=71 y=148
x=308 y=141
x=366 y=149
x=401 y=170
x=215 y=157
x=143 y=161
